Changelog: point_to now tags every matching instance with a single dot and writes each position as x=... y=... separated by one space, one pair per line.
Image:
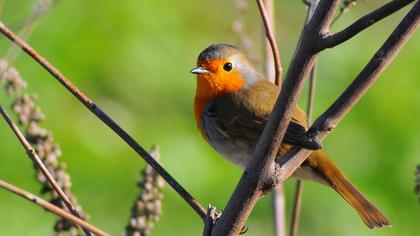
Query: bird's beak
x=199 y=71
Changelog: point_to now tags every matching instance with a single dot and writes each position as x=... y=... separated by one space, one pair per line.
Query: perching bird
x=232 y=105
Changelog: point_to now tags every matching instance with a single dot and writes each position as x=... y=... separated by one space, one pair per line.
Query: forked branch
x=370 y=73
x=259 y=174
x=358 y=26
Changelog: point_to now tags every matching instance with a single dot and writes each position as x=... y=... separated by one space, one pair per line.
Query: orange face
x=214 y=78
x=220 y=78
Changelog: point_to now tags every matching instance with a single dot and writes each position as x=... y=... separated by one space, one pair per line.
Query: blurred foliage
x=133 y=58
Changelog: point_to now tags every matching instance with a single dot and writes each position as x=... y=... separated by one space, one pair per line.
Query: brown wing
x=243 y=115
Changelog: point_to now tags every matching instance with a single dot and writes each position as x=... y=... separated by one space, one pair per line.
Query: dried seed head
x=30 y=116
x=13 y=83
x=147 y=208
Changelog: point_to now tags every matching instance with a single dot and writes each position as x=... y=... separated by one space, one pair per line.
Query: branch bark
x=297 y=203
x=274 y=76
x=105 y=118
x=38 y=162
x=259 y=174
x=51 y=208
x=336 y=112
x=358 y=26
x=257 y=177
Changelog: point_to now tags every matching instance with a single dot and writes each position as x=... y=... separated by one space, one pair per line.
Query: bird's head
x=221 y=69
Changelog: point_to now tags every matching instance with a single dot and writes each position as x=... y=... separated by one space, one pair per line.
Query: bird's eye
x=228 y=66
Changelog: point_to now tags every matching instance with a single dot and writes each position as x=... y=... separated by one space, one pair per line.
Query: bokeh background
x=133 y=58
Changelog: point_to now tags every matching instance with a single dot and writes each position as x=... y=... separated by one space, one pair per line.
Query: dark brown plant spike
x=147 y=208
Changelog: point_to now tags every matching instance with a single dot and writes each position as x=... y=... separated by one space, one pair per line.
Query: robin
x=231 y=107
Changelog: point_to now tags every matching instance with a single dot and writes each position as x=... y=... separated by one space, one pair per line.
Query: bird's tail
x=370 y=215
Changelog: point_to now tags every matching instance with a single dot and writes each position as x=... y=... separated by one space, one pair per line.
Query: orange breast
x=199 y=107
x=212 y=85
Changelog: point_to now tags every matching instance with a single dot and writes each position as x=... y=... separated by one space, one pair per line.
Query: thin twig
x=346 y=5
x=279 y=210
x=51 y=208
x=197 y=207
x=210 y=219
x=358 y=26
x=38 y=162
x=272 y=40
x=370 y=73
x=297 y=203
x=278 y=198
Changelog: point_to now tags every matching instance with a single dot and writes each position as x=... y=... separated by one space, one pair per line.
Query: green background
x=133 y=59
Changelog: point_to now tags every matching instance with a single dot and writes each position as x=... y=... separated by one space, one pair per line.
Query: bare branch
x=51 y=208
x=279 y=210
x=272 y=40
x=297 y=203
x=333 y=115
x=258 y=176
x=335 y=39
x=278 y=198
x=38 y=162
x=198 y=208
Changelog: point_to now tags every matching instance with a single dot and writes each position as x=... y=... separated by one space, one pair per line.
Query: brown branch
x=297 y=203
x=38 y=162
x=272 y=40
x=259 y=174
x=278 y=198
x=279 y=210
x=358 y=26
x=370 y=73
x=198 y=208
x=51 y=208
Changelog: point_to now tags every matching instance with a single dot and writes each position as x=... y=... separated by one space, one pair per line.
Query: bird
x=232 y=104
